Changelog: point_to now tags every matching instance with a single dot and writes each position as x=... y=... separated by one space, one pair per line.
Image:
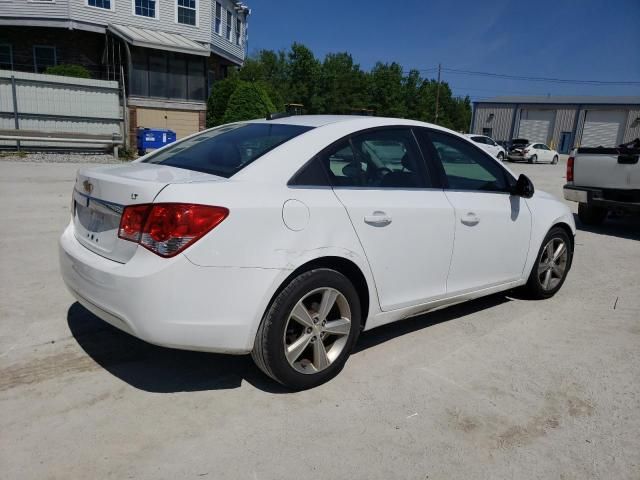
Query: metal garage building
x=562 y=122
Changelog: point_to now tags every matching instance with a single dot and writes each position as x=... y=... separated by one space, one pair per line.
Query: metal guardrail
x=34 y=135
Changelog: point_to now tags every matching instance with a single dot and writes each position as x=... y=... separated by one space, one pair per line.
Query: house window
x=229 y=23
x=187 y=12
x=170 y=75
x=218 y=19
x=43 y=57
x=106 y=4
x=145 y=8
x=6 y=57
x=238 y=31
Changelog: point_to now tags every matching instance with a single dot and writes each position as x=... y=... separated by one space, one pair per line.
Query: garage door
x=602 y=128
x=183 y=122
x=535 y=125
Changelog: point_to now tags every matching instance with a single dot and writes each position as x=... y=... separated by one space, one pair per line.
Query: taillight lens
x=132 y=221
x=570 y=169
x=168 y=228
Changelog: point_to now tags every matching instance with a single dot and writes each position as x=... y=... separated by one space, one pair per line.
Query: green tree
x=343 y=85
x=248 y=101
x=303 y=72
x=385 y=90
x=218 y=100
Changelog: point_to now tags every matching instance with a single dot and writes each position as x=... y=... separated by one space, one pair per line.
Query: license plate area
x=96 y=222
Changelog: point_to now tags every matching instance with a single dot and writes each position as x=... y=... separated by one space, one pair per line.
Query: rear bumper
x=628 y=200
x=170 y=302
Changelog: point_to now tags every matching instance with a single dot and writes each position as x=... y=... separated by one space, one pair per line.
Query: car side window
x=489 y=141
x=465 y=167
x=385 y=158
x=478 y=139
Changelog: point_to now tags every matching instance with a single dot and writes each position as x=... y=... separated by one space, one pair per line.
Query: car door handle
x=470 y=219
x=378 y=219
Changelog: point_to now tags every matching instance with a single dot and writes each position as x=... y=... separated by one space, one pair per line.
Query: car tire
x=296 y=348
x=501 y=157
x=555 y=160
x=533 y=159
x=590 y=214
x=551 y=266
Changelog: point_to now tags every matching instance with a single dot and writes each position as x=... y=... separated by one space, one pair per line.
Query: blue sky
x=572 y=39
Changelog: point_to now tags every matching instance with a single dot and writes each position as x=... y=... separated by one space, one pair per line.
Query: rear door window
x=382 y=158
x=226 y=150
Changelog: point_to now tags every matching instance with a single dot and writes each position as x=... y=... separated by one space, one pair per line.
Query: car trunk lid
x=101 y=193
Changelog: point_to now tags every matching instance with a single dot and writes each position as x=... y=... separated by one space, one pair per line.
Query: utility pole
x=438 y=94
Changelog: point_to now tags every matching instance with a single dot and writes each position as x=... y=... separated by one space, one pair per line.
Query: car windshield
x=226 y=150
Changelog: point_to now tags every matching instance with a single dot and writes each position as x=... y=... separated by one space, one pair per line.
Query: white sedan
x=536 y=153
x=489 y=145
x=287 y=237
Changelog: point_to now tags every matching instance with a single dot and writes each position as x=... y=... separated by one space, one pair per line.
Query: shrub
x=248 y=101
x=67 y=70
x=218 y=100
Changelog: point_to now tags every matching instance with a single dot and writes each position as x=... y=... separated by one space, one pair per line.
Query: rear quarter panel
x=255 y=234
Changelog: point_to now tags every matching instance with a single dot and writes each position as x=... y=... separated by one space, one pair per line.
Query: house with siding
x=562 y=122
x=165 y=53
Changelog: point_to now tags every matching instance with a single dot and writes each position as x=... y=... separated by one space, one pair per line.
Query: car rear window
x=226 y=150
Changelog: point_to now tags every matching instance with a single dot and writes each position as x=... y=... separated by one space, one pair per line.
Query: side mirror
x=523 y=187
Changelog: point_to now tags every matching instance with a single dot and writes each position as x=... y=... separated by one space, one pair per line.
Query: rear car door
x=399 y=212
x=492 y=227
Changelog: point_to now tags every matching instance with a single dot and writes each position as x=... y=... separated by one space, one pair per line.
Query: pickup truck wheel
x=555 y=160
x=590 y=214
x=309 y=330
x=552 y=265
x=533 y=159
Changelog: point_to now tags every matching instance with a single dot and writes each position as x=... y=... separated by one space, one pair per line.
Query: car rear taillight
x=168 y=228
x=570 y=169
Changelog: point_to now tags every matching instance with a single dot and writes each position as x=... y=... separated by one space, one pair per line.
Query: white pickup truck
x=603 y=180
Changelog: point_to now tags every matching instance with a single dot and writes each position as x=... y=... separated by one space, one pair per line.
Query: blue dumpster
x=154 y=138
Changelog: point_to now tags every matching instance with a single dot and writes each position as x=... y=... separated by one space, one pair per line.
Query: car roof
x=362 y=121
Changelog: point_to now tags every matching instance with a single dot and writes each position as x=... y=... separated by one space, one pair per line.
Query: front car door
x=404 y=224
x=492 y=227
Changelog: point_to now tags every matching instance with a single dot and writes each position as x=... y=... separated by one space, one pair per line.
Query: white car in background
x=287 y=237
x=535 y=153
x=489 y=145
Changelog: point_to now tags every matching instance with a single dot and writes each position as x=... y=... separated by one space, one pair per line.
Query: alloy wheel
x=553 y=263
x=317 y=330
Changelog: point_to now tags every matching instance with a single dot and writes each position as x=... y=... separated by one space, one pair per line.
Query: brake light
x=570 y=169
x=168 y=228
x=132 y=221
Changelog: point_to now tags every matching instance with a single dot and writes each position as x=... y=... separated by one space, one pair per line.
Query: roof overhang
x=159 y=40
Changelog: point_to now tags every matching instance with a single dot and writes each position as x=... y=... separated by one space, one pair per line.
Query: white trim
x=197 y=10
x=157 y=10
x=42 y=1
x=112 y=8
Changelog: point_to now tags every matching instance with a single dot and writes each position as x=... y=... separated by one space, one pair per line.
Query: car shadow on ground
x=164 y=370
x=623 y=227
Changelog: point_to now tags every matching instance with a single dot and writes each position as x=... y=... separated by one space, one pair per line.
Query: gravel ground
x=42 y=157
x=497 y=388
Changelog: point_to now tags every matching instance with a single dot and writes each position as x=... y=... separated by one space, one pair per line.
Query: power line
x=541 y=79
